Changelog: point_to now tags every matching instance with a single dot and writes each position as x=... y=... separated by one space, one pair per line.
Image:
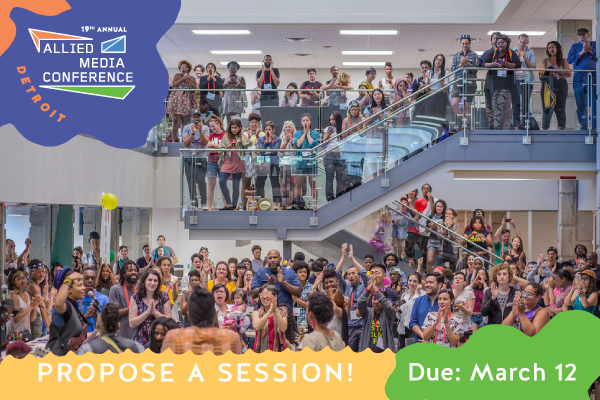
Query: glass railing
x=307 y=170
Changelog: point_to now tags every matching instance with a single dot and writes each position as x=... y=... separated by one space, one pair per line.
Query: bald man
x=284 y=279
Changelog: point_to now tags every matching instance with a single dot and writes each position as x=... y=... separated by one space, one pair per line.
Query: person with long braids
x=554 y=86
x=108 y=325
x=121 y=294
x=202 y=336
x=527 y=314
x=147 y=304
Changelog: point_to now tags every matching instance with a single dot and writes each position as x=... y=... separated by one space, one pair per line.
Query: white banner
x=105 y=235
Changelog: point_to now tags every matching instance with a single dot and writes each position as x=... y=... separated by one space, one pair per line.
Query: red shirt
x=216 y=139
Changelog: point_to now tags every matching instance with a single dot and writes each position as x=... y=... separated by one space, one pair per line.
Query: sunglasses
x=203 y=248
x=527 y=295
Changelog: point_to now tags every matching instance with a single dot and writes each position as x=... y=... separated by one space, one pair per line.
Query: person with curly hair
x=320 y=312
x=110 y=340
x=180 y=101
x=497 y=302
x=148 y=304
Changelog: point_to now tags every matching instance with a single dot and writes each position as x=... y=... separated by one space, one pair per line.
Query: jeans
x=195 y=174
x=274 y=178
x=354 y=333
x=581 y=99
x=334 y=165
x=236 y=178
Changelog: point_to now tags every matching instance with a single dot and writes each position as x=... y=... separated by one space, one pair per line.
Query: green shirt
x=500 y=249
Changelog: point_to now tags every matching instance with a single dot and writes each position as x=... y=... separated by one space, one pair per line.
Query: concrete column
x=92 y=217
x=2 y=241
x=62 y=237
x=136 y=230
x=114 y=231
x=566 y=33
x=40 y=233
x=567 y=219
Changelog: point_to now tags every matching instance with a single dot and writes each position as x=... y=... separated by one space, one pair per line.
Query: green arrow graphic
x=114 y=92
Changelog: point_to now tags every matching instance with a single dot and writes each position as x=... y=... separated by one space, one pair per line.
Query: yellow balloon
x=110 y=201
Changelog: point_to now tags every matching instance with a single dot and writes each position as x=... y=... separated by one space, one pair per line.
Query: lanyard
x=270 y=77
x=376 y=325
x=352 y=299
x=126 y=295
x=437 y=329
x=214 y=86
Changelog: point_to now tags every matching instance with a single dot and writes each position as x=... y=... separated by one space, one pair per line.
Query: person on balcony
x=334 y=164
x=195 y=136
x=310 y=97
x=233 y=100
x=180 y=101
x=501 y=61
x=267 y=79
x=290 y=98
x=270 y=166
x=230 y=163
x=583 y=56
x=212 y=82
x=388 y=82
x=554 y=86
x=306 y=139
x=374 y=144
x=438 y=100
x=521 y=96
x=463 y=59
x=216 y=135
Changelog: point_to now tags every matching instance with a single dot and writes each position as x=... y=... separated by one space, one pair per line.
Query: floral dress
x=180 y=102
x=233 y=100
x=142 y=331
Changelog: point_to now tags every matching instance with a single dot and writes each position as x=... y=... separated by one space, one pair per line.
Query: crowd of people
x=216 y=125
x=424 y=289
x=508 y=85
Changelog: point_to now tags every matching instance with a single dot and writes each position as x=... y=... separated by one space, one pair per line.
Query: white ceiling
x=527 y=15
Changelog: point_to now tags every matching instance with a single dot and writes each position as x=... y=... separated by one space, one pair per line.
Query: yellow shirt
x=254 y=138
x=231 y=286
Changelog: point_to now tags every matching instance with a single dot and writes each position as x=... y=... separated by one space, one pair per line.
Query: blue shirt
x=275 y=144
x=400 y=228
x=284 y=297
x=354 y=293
x=586 y=61
x=314 y=135
x=421 y=308
x=87 y=302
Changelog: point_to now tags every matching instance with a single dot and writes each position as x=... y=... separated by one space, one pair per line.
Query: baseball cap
x=197 y=112
x=589 y=273
x=9 y=304
x=369 y=70
x=581 y=31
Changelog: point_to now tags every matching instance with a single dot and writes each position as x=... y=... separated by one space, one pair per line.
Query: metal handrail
x=448 y=229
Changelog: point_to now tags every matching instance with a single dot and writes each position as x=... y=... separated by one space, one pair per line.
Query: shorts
x=397 y=242
x=305 y=171
x=457 y=91
x=477 y=319
x=212 y=169
x=432 y=246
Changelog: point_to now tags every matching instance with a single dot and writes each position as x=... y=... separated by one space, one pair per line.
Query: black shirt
x=217 y=84
x=141 y=262
x=502 y=78
x=268 y=79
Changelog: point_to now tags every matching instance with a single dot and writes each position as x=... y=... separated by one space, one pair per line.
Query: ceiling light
x=364 y=64
x=367 y=53
x=297 y=40
x=242 y=63
x=368 y=32
x=513 y=33
x=236 y=52
x=221 y=32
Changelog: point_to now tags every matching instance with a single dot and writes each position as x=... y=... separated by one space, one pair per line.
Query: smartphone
x=399 y=303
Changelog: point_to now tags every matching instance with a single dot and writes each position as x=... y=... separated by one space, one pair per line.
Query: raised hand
x=280 y=275
x=271 y=280
x=344 y=248
x=351 y=253
x=494 y=289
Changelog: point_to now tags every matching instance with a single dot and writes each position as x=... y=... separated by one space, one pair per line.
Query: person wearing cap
x=463 y=59
x=180 y=101
x=92 y=258
x=233 y=100
x=195 y=136
x=583 y=56
x=7 y=312
x=583 y=294
x=310 y=98
x=211 y=82
x=67 y=319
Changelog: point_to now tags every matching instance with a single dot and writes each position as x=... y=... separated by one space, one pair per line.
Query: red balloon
x=420 y=204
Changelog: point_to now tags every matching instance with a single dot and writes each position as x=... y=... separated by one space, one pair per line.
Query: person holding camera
x=267 y=79
x=231 y=165
x=195 y=136
x=211 y=82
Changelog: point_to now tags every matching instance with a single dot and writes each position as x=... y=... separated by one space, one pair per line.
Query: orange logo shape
x=39 y=35
x=8 y=29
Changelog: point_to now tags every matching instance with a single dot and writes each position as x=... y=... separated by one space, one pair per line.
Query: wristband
x=369 y=290
x=68 y=281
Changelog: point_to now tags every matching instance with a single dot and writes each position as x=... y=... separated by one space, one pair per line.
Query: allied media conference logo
x=61 y=43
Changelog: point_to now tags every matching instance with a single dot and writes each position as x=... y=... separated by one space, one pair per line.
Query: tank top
x=24 y=324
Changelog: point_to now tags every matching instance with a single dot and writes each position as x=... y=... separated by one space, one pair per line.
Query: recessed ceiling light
x=221 y=32
x=242 y=63
x=511 y=33
x=297 y=40
x=367 y=53
x=368 y=32
x=364 y=64
x=473 y=40
x=236 y=52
